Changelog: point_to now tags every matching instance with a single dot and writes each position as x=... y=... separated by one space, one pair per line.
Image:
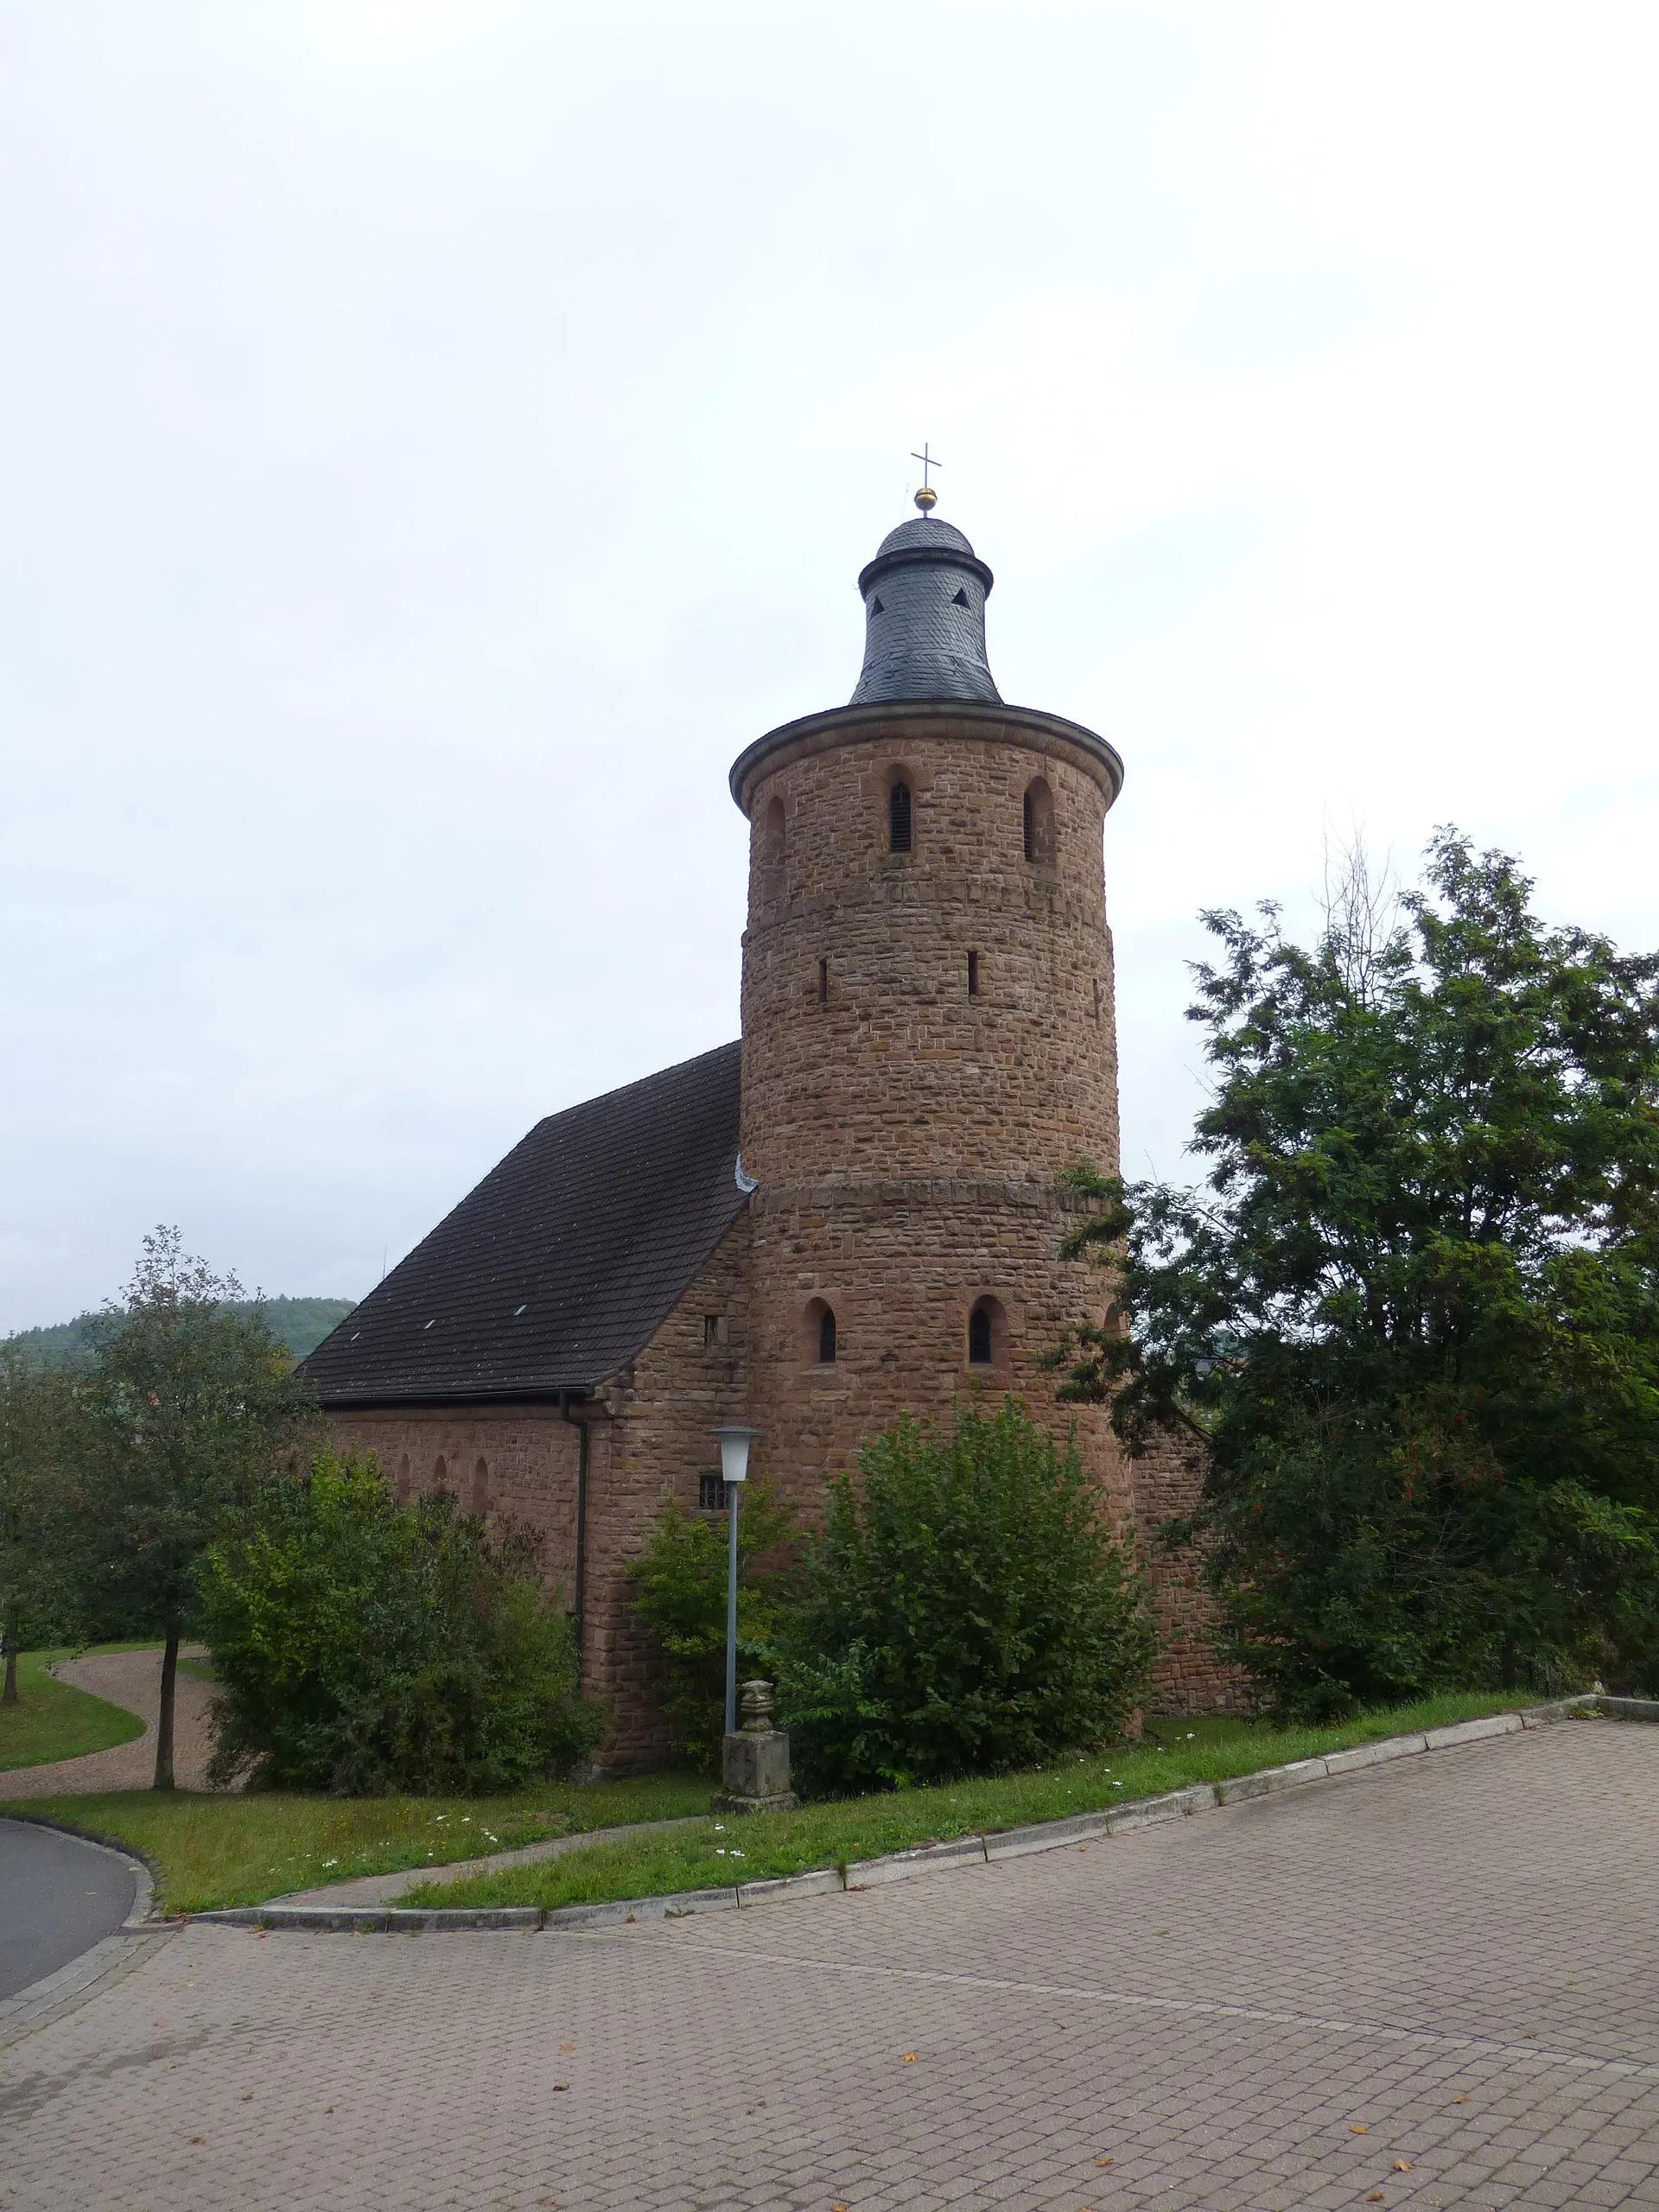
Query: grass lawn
x=231 y=1849
x=53 y=1720
x=713 y=1852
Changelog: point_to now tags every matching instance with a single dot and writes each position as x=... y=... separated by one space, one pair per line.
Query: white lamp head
x=735 y=1442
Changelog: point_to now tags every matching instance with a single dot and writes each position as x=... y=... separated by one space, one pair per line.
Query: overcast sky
x=438 y=437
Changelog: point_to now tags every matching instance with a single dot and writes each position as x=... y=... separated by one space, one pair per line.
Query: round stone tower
x=928 y=1035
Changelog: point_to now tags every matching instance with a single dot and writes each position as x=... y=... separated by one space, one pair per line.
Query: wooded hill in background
x=299 y=1323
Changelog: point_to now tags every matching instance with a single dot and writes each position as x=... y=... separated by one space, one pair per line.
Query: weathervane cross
x=927 y=461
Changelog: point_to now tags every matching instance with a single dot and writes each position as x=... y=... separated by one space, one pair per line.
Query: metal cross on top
x=926 y=459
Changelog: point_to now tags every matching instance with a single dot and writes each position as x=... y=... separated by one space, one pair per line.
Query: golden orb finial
x=927 y=499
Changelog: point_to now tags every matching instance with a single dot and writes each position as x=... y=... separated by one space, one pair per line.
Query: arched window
x=899 y=818
x=440 y=1473
x=819 y=1334
x=481 y=1487
x=987 y=1334
x=1039 y=822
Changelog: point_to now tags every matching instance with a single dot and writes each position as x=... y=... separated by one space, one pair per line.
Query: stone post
x=754 y=1760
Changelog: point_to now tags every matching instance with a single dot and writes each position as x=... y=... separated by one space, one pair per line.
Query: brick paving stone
x=1475 y=1924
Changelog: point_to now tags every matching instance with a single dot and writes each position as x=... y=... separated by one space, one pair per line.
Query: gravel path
x=131 y=1679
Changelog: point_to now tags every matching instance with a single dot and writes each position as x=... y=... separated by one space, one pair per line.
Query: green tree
x=1413 y=1313
x=36 y=1412
x=190 y=1409
x=362 y=1646
x=964 y=1609
x=680 y=1594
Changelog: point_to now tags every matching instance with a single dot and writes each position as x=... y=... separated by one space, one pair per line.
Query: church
x=855 y=1211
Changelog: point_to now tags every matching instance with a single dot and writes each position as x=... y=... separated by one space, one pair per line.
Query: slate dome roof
x=922 y=530
x=924 y=617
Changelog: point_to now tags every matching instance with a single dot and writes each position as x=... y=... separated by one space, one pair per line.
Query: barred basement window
x=711 y=1493
x=715 y=1331
x=899 y=818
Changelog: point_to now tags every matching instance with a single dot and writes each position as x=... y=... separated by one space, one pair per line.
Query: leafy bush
x=680 y=1594
x=363 y=1646
x=962 y=1611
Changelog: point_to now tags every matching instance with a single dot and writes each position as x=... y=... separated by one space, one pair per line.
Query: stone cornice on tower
x=964 y=718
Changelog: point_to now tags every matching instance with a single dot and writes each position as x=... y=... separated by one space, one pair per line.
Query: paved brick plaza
x=1457 y=1954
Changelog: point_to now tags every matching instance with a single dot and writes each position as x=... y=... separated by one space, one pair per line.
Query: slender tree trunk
x=11 y=1639
x=164 y=1715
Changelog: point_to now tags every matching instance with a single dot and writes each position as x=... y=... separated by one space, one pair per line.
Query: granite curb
x=927 y=1859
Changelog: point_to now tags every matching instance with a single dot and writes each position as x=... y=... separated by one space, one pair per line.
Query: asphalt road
x=58 y=1896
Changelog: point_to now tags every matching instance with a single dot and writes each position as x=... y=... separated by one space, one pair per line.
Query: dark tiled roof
x=561 y=1264
x=924 y=617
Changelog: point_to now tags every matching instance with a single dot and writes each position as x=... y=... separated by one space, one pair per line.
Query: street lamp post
x=735 y=1442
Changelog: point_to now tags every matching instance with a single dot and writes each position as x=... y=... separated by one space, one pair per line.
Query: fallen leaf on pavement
x=198 y=2139
x=909 y=2058
x=1402 y=2165
x=561 y=2085
x=567 y=2046
x=1374 y=2197
x=1103 y=2162
x=1463 y=2099
x=1359 y=2130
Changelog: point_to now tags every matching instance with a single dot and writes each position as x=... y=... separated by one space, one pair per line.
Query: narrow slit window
x=973 y=975
x=827 y=1337
x=824 y=982
x=1039 y=822
x=899 y=818
x=979 y=1337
